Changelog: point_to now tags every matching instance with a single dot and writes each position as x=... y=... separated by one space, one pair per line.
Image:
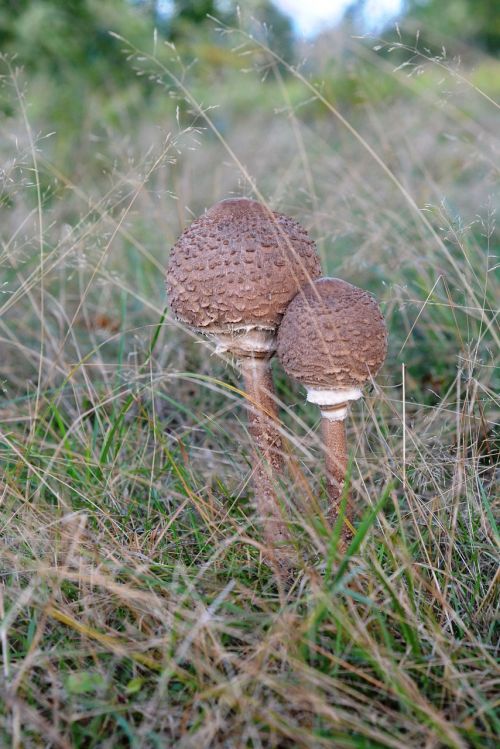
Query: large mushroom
x=230 y=276
x=333 y=340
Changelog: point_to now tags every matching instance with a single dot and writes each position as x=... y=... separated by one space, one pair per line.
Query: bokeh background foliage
x=135 y=608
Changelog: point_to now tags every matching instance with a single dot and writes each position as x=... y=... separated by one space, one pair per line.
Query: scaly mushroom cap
x=238 y=266
x=332 y=336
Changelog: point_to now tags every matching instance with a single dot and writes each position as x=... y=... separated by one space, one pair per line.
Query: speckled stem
x=262 y=421
x=335 y=443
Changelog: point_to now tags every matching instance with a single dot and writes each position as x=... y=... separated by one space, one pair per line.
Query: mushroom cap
x=332 y=336
x=238 y=266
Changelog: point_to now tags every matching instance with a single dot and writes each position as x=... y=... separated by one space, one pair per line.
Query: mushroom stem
x=263 y=423
x=335 y=444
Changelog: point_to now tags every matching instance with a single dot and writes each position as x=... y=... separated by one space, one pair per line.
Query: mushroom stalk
x=335 y=445
x=263 y=423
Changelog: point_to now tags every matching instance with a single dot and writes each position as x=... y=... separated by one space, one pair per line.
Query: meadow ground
x=135 y=606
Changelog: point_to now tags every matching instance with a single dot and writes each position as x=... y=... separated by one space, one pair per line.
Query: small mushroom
x=231 y=275
x=333 y=340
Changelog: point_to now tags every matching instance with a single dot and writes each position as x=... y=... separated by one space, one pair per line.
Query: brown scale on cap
x=239 y=265
x=332 y=336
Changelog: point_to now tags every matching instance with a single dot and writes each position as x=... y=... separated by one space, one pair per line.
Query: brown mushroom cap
x=332 y=336
x=238 y=266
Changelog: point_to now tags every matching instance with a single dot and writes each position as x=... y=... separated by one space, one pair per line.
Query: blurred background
x=81 y=85
x=66 y=48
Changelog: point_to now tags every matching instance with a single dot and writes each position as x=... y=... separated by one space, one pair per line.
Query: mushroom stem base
x=335 y=444
x=263 y=427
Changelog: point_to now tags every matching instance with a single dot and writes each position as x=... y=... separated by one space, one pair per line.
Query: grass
x=135 y=606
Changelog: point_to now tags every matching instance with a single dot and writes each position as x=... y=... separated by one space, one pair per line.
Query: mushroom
x=332 y=340
x=230 y=276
